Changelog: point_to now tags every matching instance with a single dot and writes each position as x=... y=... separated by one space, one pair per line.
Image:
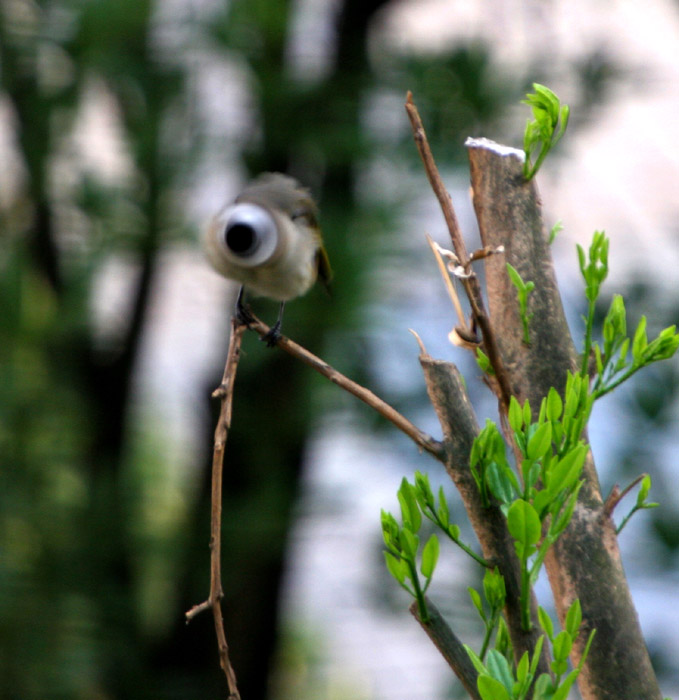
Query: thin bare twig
x=419 y=437
x=616 y=495
x=471 y=284
x=225 y=393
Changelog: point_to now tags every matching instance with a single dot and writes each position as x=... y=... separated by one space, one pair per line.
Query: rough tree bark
x=585 y=563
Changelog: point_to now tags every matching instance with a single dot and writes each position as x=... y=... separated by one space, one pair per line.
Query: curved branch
x=225 y=393
x=420 y=438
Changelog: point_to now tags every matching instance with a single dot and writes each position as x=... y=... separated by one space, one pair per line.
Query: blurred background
x=124 y=126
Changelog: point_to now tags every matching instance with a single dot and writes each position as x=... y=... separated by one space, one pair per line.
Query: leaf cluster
x=498 y=681
x=540 y=504
x=545 y=129
x=402 y=544
x=620 y=356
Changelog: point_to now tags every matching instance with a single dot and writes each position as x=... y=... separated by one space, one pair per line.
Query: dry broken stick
x=225 y=393
x=471 y=284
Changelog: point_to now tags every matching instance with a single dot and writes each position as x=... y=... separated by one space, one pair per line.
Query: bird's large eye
x=248 y=234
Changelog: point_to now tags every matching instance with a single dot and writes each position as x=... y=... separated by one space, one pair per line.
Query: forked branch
x=225 y=393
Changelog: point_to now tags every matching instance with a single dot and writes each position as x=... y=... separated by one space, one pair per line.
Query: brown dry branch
x=225 y=393
x=585 y=562
x=457 y=418
x=420 y=438
x=451 y=648
x=448 y=395
x=471 y=284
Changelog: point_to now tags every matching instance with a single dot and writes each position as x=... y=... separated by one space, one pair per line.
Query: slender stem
x=625 y=520
x=422 y=612
x=607 y=388
x=525 y=597
x=490 y=626
x=420 y=438
x=588 y=339
x=225 y=393
x=477 y=558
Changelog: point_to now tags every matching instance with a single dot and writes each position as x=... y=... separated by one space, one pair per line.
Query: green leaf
x=453 y=531
x=537 y=651
x=515 y=277
x=543 y=687
x=640 y=341
x=498 y=667
x=539 y=442
x=523 y=667
x=622 y=355
x=546 y=623
x=565 y=687
x=483 y=361
x=582 y=260
x=531 y=472
x=615 y=323
x=410 y=511
x=442 y=511
x=643 y=491
x=542 y=500
x=476 y=602
x=494 y=588
x=490 y=689
x=555 y=231
x=397 y=567
x=527 y=416
x=423 y=491
x=515 y=415
x=561 y=523
x=523 y=522
x=500 y=483
x=390 y=530
x=409 y=544
x=574 y=618
x=567 y=470
x=561 y=648
x=430 y=555
x=503 y=642
x=478 y=664
x=554 y=405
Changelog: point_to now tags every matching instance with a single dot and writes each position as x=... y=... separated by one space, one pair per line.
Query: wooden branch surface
x=585 y=563
x=448 y=395
x=225 y=393
x=451 y=648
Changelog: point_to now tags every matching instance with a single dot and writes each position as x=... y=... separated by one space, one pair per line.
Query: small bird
x=269 y=240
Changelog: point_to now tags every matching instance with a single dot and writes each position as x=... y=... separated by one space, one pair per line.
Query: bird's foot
x=272 y=337
x=243 y=314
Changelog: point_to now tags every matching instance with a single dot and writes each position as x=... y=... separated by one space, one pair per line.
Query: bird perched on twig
x=269 y=240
